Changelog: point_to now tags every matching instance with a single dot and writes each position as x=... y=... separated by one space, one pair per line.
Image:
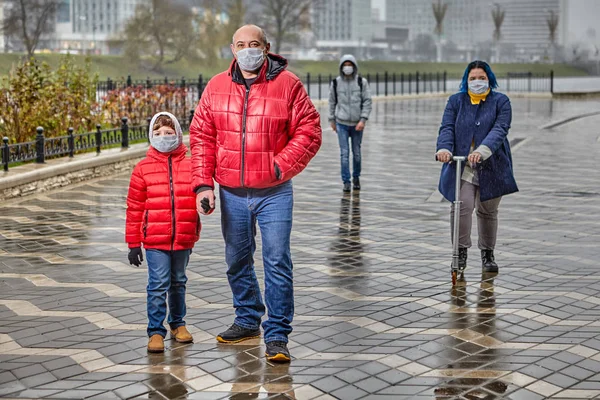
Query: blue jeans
x=344 y=133
x=272 y=208
x=166 y=275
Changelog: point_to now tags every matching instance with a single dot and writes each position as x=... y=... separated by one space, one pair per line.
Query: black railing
x=381 y=84
x=70 y=144
x=386 y=84
x=194 y=87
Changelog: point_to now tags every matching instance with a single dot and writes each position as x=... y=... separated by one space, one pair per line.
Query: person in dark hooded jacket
x=349 y=110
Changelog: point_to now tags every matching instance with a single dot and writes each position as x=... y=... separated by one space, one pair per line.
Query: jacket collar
x=176 y=154
x=270 y=69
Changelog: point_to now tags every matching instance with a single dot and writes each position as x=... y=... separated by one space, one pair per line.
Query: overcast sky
x=582 y=16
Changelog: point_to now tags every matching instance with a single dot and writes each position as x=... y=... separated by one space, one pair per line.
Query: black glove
x=135 y=256
x=205 y=204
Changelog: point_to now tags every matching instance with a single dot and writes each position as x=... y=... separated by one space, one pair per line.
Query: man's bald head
x=250 y=32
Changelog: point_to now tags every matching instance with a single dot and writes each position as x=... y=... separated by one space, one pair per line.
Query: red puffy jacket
x=238 y=134
x=161 y=206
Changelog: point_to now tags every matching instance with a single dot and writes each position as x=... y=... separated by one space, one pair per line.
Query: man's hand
x=360 y=126
x=205 y=202
x=135 y=256
x=333 y=126
x=443 y=156
x=475 y=158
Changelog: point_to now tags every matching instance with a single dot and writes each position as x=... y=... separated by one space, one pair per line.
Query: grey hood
x=178 y=130
x=348 y=57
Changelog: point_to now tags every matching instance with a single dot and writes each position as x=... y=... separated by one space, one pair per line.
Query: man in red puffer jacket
x=254 y=129
x=161 y=214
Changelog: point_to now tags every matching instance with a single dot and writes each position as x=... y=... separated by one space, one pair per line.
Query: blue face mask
x=478 y=86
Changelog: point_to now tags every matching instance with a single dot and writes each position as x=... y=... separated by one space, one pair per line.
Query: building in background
x=468 y=27
x=343 y=26
x=92 y=26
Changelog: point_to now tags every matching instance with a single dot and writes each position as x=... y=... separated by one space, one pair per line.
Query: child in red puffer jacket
x=161 y=215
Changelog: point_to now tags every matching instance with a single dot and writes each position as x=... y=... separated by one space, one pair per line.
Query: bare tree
x=439 y=13
x=282 y=18
x=161 y=30
x=552 y=21
x=498 y=18
x=28 y=20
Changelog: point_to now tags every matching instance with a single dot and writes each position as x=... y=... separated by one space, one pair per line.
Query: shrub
x=139 y=103
x=35 y=95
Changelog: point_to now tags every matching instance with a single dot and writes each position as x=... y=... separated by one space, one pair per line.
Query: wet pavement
x=376 y=316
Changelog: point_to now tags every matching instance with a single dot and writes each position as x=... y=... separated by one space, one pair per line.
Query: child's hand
x=135 y=256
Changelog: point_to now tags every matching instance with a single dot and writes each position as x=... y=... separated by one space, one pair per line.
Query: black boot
x=346 y=187
x=356 y=182
x=462 y=258
x=487 y=261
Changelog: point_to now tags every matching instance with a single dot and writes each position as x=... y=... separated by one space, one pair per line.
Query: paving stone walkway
x=376 y=317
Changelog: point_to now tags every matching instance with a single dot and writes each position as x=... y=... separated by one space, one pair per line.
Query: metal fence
x=380 y=84
x=317 y=86
x=43 y=148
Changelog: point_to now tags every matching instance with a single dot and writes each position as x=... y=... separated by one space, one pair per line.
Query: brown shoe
x=156 y=344
x=181 y=335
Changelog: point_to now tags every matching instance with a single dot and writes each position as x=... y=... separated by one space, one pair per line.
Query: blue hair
x=464 y=84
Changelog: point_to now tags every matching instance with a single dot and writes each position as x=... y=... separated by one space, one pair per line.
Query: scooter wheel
x=454 y=276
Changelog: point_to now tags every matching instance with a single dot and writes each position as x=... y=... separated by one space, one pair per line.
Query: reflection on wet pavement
x=375 y=314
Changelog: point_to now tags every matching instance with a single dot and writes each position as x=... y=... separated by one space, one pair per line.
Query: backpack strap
x=334 y=82
x=360 y=85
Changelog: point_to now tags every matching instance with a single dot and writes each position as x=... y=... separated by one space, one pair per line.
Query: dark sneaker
x=347 y=187
x=237 y=334
x=356 y=183
x=278 y=352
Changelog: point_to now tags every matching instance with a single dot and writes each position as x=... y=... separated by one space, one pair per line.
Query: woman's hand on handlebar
x=475 y=158
x=443 y=156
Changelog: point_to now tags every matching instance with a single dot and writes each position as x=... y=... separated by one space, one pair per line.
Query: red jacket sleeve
x=136 y=205
x=203 y=143
x=305 y=135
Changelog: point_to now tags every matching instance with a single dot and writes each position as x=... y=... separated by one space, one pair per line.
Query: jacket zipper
x=145 y=224
x=172 y=202
x=244 y=133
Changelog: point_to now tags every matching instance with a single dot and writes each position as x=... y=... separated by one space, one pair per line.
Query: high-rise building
x=343 y=26
x=526 y=25
x=89 y=25
x=468 y=23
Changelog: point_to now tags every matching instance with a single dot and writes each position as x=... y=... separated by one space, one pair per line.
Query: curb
x=69 y=167
x=563 y=121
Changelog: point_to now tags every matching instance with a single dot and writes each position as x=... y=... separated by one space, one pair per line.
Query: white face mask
x=348 y=69
x=250 y=59
x=478 y=86
x=165 y=143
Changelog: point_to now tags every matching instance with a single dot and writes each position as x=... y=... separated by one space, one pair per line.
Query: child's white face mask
x=165 y=143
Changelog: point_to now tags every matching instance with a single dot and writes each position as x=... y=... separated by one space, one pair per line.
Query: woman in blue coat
x=475 y=125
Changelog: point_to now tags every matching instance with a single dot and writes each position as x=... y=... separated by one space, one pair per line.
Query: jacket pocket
x=145 y=225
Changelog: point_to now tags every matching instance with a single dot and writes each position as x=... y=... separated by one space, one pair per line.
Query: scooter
x=454 y=269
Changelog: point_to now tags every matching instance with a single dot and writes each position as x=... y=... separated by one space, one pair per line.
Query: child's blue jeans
x=166 y=279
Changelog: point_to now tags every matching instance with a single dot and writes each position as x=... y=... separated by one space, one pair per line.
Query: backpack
x=360 y=85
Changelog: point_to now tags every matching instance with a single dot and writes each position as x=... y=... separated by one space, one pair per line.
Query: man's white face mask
x=250 y=59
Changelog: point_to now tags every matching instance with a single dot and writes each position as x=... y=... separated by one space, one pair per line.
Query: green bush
x=36 y=95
